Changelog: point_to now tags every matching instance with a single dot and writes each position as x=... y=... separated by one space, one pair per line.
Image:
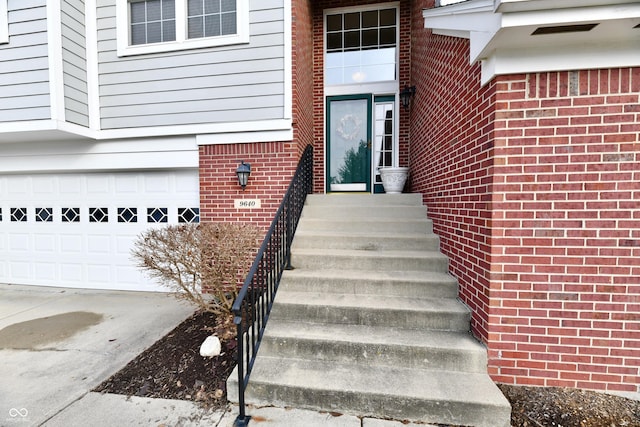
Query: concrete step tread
x=434 y=305
x=395 y=382
x=425 y=277
x=457 y=341
x=358 y=253
x=372 y=220
x=373 y=234
x=405 y=199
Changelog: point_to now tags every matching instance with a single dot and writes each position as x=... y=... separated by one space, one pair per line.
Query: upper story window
x=149 y=26
x=4 y=22
x=361 y=46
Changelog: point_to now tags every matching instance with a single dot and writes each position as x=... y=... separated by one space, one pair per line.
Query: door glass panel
x=349 y=151
x=383 y=136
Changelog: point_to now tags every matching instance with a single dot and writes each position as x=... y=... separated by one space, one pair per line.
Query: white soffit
x=501 y=33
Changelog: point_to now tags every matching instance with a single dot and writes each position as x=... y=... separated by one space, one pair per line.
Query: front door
x=349 y=143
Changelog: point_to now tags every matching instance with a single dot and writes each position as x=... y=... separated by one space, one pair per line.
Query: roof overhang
x=518 y=36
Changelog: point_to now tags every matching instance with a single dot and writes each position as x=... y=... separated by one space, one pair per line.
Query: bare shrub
x=202 y=263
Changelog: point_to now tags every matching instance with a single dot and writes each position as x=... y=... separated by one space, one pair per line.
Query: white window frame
x=123 y=29
x=4 y=22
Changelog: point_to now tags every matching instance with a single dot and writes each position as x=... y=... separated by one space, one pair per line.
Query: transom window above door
x=361 y=46
x=149 y=26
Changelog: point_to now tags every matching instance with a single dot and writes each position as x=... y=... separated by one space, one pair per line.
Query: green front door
x=349 y=143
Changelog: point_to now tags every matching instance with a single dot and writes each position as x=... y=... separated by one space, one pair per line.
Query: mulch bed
x=173 y=369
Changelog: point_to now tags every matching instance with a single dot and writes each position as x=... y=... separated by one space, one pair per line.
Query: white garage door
x=77 y=230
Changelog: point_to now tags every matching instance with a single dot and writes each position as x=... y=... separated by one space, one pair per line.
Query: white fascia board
x=528 y=5
x=55 y=126
x=56 y=74
x=245 y=137
x=84 y=155
x=474 y=20
x=239 y=132
x=226 y=130
x=468 y=16
x=459 y=8
x=571 y=16
x=563 y=58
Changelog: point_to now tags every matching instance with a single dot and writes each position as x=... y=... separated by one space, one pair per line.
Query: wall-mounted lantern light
x=243 y=172
x=405 y=96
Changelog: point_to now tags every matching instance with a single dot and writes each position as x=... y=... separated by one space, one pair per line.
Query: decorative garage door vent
x=124 y=215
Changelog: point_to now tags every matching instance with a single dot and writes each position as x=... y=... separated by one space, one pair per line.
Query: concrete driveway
x=57 y=344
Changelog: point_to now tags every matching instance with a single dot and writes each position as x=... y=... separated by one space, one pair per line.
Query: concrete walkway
x=57 y=344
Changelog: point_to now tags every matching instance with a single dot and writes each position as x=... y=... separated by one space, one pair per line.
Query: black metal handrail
x=252 y=306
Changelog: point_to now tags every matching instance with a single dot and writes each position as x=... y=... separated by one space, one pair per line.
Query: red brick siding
x=272 y=166
x=318 y=79
x=451 y=159
x=302 y=22
x=566 y=230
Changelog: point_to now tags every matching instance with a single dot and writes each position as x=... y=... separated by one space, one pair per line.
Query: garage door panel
x=79 y=229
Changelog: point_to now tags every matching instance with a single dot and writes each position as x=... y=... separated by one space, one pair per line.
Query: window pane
x=370 y=38
x=388 y=36
x=154 y=32
x=195 y=7
x=229 y=23
x=351 y=21
x=196 y=27
x=138 y=34
x=228 y=5
x=168 y=9
x=212 y=26
x=387 y=17
x=333 y=60
x=153 y=10
x=211 y=6
x=351 y=39
x=168 y=30
x=334 y=41
x=334 y=22
x=370 y=19
x=137 y=12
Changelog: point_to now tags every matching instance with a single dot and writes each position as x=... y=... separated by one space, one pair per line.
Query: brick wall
x=565 y=241
x=302 y=22
x=272 y=166
x=451 y=158
x=533 y=184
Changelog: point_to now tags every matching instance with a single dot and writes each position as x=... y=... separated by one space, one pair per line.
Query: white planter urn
x=393 y=179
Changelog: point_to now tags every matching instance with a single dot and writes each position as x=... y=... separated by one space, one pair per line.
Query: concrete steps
x=368 y=322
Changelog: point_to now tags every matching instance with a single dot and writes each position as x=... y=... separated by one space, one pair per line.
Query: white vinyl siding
x=74 y=62
x=224 y=84
x=24 y=65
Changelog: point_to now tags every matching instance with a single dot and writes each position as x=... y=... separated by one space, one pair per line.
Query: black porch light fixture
x=405 y=96
x=243 y=172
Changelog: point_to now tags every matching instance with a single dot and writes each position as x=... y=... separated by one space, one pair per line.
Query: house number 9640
x=247 y=203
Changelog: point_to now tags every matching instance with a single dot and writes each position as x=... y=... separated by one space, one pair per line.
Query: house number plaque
x=247 y=203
